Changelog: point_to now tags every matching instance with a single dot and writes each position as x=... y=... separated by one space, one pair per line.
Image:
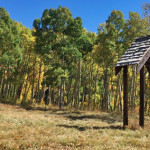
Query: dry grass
x=64 y=130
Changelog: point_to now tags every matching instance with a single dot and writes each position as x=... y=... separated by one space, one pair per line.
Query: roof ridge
x=142 y=38
x=137 y=53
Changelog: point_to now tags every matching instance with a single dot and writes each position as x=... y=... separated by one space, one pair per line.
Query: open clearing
x=58 y=130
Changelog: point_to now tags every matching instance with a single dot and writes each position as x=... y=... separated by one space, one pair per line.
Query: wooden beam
x=117 y=69
x=125 y=96
x=142 y=85
x=144 y=59
x=148 y=65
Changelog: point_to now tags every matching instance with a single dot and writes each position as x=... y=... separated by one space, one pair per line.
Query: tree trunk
x=74 y=93
x=9 y=90
x=53 y=96
x=38 y=88
x=63 y=92
x=100 y=100
x=68 y=90
x=2 y=87
x=14 y=94
x=119 y=91
x=83 y=95
x=133 y=90
x=120 y=97
x=61 y=96
x=49 y=95
x=43 y=86
x=6 y=86
x=106 y=89
x=149 y=93
x=25 y=92
x=89 y=95
x=116 y=97
x=33 y=82
x=95 y=89
x=79 y=82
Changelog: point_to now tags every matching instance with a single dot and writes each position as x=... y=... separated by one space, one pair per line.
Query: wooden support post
x=125 y=96
x=142 y=85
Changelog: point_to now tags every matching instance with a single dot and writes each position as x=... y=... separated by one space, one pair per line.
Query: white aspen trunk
x=38 y=88
x=79 y=82
x=96 y=77
x=89 y=96
x=68 y=90
x=33 y=82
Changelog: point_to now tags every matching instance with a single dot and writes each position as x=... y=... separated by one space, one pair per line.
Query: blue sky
x=92 y=12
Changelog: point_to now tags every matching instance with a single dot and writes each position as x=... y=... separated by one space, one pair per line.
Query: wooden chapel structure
x=138 y=54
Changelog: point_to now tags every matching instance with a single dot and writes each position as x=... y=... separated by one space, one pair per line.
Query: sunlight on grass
x=53 y=129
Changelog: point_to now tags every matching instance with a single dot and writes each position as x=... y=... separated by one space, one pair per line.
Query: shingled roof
x=137 y=54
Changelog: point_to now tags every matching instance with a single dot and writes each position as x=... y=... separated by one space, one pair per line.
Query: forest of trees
x=77 y=66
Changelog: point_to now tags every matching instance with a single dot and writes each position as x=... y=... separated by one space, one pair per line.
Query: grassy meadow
x=51 y=129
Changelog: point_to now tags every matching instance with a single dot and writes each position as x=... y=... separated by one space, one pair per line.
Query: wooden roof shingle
x=137 y=54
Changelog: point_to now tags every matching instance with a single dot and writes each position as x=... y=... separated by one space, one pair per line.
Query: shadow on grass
x=104 y=118
x=73 y=115
x=94 y=128
x=109 y=118
x=51 y=110
x=81 y=115
x=9 y=102
x=37 y=108
x=77 y=115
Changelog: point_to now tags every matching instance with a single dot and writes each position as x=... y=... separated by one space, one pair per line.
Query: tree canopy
x=75 y=65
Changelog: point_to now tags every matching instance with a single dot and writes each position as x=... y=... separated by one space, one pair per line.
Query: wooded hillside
x=76 y=66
